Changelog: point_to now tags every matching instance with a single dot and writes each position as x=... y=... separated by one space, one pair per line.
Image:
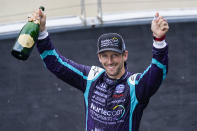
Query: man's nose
x=109 y=60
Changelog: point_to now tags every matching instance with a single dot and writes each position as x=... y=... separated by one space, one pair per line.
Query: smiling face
x=113 y=63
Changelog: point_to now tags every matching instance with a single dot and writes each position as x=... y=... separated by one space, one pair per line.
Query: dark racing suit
x=111 y=105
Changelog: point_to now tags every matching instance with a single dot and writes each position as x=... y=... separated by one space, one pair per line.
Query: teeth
x=111 y=67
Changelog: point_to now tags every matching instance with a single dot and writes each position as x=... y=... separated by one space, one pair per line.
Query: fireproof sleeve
x=67 y=70
x=150 y=80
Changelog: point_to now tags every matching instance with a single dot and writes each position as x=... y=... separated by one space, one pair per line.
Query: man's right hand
x=40 y=16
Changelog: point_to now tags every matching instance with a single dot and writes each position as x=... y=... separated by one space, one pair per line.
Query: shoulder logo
x=132 y=79
x=94 y=72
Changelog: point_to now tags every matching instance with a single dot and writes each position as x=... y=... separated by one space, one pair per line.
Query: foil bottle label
x=26 y=40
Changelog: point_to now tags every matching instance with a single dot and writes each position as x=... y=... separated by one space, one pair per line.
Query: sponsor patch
x=119 y=88
x=109 y=42
x=117 y=95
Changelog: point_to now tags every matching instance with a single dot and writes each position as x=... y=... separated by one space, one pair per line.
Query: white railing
x=99 y=11
x=83 y=12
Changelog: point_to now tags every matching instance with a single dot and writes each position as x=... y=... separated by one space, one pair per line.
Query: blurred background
x=16 y=11
x=33 y=99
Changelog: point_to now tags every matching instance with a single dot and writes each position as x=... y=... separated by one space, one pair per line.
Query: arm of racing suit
x=65 y=69
x=149 y=81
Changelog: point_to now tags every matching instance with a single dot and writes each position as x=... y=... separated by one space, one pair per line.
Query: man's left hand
x=159 y=26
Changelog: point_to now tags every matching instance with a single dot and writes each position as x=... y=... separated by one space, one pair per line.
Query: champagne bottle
x=26 y=39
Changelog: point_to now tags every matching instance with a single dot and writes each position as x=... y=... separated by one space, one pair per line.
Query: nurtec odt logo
x=116 y=113
x=121 y=107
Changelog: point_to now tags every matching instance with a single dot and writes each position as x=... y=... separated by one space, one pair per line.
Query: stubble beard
x=117 y=72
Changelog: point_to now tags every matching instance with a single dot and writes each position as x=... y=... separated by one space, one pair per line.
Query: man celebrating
x=114 y=98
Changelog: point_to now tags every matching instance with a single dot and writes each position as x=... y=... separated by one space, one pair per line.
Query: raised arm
x=65 y=69
x=148 y=82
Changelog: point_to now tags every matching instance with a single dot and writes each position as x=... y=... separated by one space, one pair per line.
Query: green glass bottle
x=26 y=40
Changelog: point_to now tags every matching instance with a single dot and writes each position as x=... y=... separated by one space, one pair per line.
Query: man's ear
x=99 y=57
x=125 y=55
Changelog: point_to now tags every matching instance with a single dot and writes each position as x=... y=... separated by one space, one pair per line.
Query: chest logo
x=119 y=88
x=107 y=115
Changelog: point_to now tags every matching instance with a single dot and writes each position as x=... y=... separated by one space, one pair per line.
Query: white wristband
x=43 y=35
x=159 y=44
